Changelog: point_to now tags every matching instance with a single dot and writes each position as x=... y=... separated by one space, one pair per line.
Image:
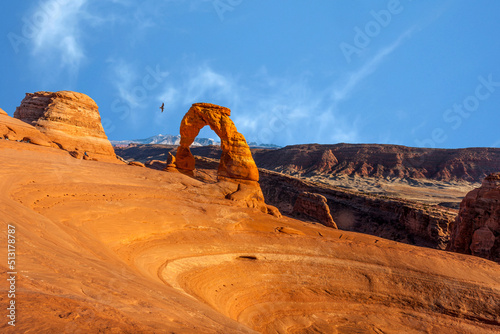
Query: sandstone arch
x=236 y=161
x=237 y=173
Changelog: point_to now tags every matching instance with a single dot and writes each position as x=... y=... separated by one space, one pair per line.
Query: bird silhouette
x=162 y=107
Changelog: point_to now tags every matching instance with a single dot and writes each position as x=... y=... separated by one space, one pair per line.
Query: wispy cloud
x=319 y=111
x=269 y=109
x=138 y=90
x=169 y=96
x=123 y=76
x=344 y=90
x=59 y=37
x=60 y=28
x=205 y=83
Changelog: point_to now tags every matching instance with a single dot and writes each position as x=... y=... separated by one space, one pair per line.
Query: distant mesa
x=326 y=163
x=476 y=229
x=382 y=161
x=71 y=120
x=236 y=162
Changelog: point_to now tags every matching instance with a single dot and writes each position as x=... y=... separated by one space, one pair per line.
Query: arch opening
x=236 y=161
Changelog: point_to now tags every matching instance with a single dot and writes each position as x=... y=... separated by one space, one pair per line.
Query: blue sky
x=414 y=73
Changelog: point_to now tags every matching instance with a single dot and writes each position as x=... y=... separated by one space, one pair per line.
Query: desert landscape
x=303 y=239
x=405 y=194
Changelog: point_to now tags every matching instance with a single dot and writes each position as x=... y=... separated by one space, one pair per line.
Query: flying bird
x=162 y=107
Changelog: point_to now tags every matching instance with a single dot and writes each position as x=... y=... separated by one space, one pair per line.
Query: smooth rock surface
x=143 y=251
x=14 y=129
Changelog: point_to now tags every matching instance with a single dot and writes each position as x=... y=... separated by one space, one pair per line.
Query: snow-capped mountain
x=166 y=140
x=175 y=140
x=254 y=144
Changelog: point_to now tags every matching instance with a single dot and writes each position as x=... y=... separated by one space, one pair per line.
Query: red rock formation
x=314 y=206
x=69 y=119
x=393 y=219
x=136 y=163
x=381 y=161
x=2 y=112
x=326 y=162
x=171 y=167
x=14 y=129
x=236 y=161
x=237 y=173
x=155 y=164
x=170 y=159
x=429 y=223
x=476 y=229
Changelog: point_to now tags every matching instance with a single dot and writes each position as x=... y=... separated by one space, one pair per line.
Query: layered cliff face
x=382 y=161
x=326 y=163
x=476 y=230
x=69 y=119
x=393 y=219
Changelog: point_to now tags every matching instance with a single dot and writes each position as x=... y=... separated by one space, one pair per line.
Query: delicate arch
x=236 y=161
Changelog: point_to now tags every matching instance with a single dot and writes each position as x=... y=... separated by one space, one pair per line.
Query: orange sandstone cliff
x=71 y=120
